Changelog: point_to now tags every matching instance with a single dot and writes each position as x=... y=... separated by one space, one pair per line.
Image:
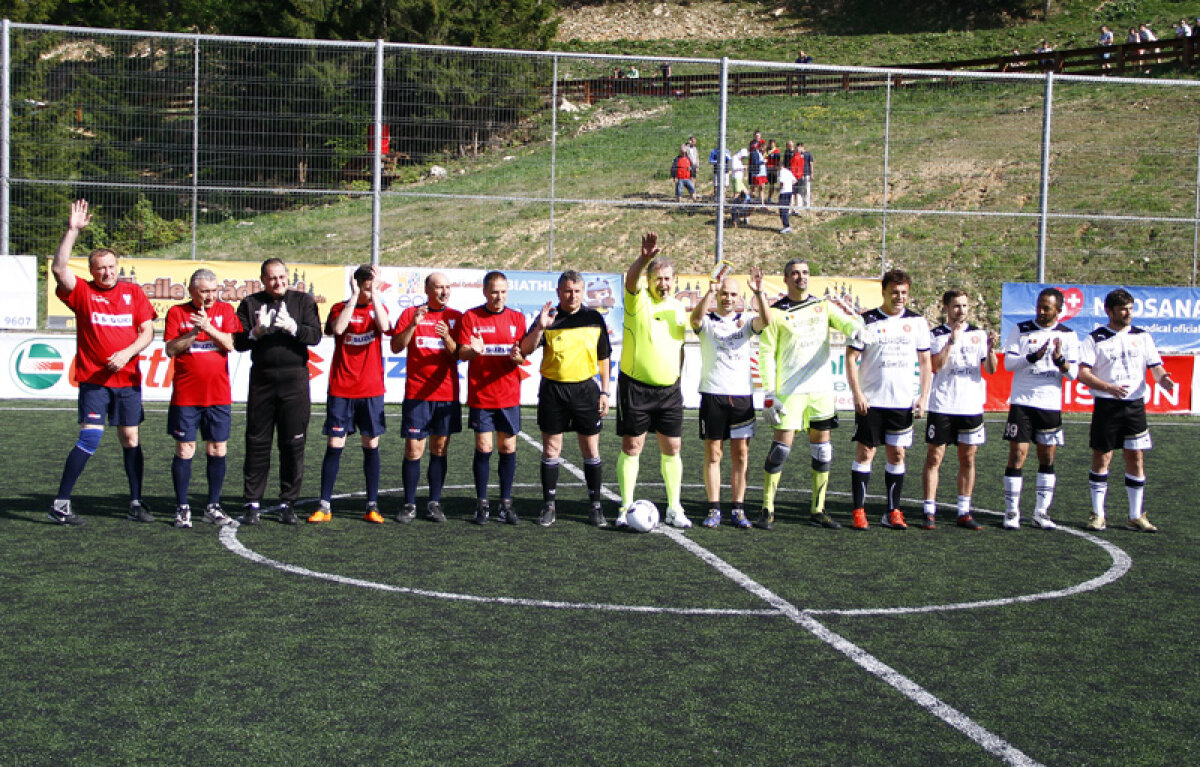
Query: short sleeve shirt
x=106 y=321
x=357 y=368
x=493 y=379
x=889 y=346
x=573 y=346
x=653 y=338
x=1121 y=358
x=432 y=372
x=1040 y=383
x=201 y=377
x=726 y=353
x=958 y=387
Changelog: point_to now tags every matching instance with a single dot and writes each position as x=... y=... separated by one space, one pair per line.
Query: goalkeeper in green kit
x=793 y=361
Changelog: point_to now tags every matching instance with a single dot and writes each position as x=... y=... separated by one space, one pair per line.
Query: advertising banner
x=165 y=282
x=18 y=293
x=1076 y=398
x=1171 y=315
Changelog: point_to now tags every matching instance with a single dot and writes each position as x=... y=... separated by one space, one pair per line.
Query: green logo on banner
x=38 y=366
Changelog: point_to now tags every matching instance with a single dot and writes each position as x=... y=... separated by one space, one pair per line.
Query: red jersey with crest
x=357 y=368
x=493 y=379
x=431 y=372
x=106 y=321
x=202 y=372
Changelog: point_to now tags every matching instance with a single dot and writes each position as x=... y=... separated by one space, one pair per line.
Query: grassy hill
x=969 y=148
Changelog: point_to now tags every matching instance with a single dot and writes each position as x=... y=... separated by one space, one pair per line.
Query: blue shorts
x=502 y=419
x=213 y=420
x=418 y=419
x=346 y=415
x=114 y=405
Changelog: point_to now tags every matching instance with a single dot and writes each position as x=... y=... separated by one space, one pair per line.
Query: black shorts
x=642 y=408
x=1033 y=424
x=564 y=407
x=944 y=429
x=884 y=426
x=1118 y=423
x=724 y=416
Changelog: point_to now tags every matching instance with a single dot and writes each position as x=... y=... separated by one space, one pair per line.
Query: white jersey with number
x=958 y=387
x=1038 y=384
x=1121 y=358
x=890 y=346
x=726 y=350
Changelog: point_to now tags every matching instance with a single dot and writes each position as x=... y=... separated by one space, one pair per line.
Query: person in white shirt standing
x=1039 y=353
x=727 y=387
x=1113 y=364
x=959 y=352
x=894 y=341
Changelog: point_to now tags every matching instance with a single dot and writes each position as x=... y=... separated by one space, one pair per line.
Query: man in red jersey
x=199 y=337
x=431 y=411
x=112 y=326
x=488 y=338
x=355 y=388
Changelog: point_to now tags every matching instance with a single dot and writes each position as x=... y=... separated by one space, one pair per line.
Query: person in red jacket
x=683 y=172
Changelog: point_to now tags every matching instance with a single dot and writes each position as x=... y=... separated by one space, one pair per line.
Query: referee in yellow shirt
x=648 y=394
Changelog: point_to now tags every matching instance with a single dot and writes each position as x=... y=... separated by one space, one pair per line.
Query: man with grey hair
x=648 y=392
x=199 y=338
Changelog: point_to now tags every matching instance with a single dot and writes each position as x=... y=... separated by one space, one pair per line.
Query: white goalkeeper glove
x=284 y=321
x=262 y=322
x=773 y=410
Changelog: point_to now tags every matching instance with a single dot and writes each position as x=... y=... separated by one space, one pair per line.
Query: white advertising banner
x=18 y=293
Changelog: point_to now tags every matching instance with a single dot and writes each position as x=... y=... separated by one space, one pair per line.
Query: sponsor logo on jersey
x=430 y=342
x=112 y=320
x=361 y=339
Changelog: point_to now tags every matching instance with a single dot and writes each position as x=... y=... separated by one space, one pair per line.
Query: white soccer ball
x=642 y=516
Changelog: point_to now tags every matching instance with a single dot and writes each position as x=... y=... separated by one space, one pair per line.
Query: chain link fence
x=194 y=146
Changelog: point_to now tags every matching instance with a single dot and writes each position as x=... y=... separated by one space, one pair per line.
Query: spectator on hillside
x=713 y=158
x=806 y=177
x=1147 y=36
x=1044 y=46
x=633 y=74
x=758 y=172
x=1182 y=29
x=773 y=160
x=693 y=154
x=682 y=171
x=757 y=142
x=1106 y=41
x=1013 y=66
x=804 y=58
x=793 y=160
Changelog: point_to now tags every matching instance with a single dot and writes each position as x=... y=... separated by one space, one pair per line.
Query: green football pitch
x=427 y=644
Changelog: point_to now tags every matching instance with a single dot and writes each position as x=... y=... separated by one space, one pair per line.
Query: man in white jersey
x=793 y=360
x=1113 y=364
x=894 y=339
x=727 y=387
x=959 y=353
x=1039 y=353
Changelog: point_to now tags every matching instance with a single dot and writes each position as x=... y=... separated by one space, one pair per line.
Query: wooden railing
x=1126 y=58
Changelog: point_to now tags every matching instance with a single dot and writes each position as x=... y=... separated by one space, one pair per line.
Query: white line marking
x=988 y=740
x=228 y=537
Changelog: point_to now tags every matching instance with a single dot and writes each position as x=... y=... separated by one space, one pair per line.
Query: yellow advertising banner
x=165 y=282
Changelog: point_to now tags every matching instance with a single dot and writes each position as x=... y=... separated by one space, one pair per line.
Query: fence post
x=5 y=132
x=1044 y=204
x=553 y=160
x=195 y=143
x=887 y=143
x=722 y=113
x=377 y=156
x=1196 y=215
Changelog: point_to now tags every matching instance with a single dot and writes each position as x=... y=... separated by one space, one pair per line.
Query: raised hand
x=79 y=217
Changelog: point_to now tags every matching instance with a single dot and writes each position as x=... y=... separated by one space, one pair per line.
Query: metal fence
x=221 y=147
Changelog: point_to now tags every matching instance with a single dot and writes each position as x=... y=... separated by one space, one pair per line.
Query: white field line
x=228 y=537
x=986 y=739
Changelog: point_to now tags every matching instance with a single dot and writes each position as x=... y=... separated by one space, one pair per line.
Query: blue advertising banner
x=1171 y=315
